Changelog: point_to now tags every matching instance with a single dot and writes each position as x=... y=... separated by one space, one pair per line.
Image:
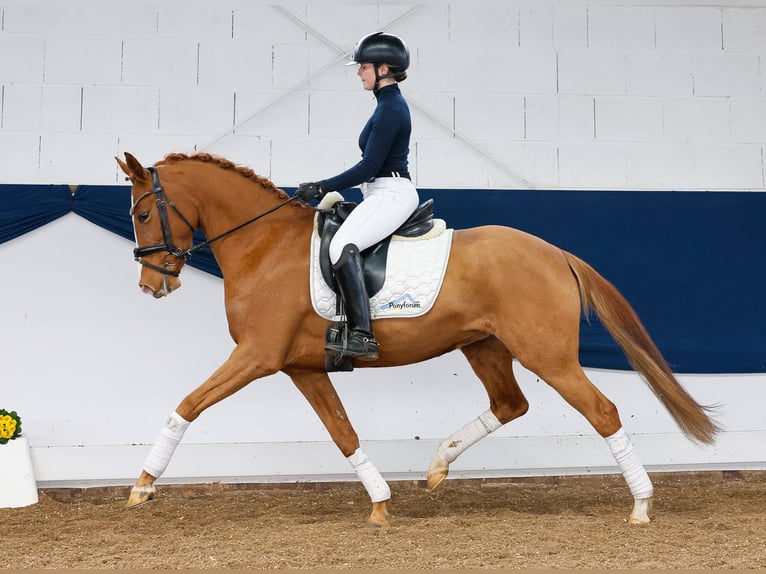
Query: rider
x=388 y=195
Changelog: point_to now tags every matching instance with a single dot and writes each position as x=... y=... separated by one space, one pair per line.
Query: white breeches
x=387 y=203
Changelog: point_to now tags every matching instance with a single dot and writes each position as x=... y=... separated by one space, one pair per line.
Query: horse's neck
x=229 y=200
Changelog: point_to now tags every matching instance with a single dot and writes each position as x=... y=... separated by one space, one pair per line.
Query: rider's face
x=366 y=72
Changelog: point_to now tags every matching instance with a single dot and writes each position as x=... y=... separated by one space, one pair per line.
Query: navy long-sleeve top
x=384 y=141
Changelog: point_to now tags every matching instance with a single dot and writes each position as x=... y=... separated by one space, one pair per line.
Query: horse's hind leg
x=575 y=387
x=321 y=394
x=493 y=364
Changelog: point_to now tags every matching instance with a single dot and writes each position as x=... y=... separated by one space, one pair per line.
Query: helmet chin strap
x=379 y=77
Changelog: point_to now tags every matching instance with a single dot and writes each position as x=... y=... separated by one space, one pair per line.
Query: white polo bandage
x=454 y=445
x=165 y=445
x=376 y=487
x=633 y=471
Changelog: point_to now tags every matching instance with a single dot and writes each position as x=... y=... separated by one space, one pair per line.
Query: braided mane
x=224 y=163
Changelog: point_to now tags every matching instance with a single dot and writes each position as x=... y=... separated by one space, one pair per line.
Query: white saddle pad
x=414 y=274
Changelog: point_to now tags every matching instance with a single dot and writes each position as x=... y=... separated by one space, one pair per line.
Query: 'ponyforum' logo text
x=403 y=303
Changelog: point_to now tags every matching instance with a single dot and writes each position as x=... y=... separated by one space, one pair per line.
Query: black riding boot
x=350 y=280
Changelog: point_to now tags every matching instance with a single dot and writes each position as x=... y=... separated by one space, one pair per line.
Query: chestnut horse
x=526 y=300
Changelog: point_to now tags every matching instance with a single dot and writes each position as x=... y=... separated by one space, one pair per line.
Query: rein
x=167 y=236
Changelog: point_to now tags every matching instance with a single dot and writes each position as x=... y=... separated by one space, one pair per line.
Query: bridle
x=163 y=201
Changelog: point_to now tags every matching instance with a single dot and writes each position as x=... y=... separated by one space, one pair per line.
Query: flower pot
x=18 y=486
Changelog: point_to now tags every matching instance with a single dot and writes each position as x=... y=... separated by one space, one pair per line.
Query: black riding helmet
x=383 y=48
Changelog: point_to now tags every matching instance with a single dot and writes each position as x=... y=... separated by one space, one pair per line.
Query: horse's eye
x=144 y=217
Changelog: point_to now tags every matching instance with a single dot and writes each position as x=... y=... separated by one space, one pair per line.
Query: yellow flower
x=10 y=426
x=7 y=426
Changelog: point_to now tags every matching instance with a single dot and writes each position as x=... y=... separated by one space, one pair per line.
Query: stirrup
x=358 y=345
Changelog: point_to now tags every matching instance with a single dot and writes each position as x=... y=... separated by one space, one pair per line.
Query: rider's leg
x=350 y=280
x=387 y=204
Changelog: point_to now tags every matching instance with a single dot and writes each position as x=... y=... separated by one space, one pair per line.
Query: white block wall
x=504 y=94
x=633 y=95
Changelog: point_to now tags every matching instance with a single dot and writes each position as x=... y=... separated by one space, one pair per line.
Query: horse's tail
x=625 y=327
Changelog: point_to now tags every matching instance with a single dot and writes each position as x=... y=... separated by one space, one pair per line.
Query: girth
x=373 y=258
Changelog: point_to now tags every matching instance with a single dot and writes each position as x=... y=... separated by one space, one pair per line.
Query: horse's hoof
x=437 y=472
x=140 y=495
x=379 y=516
x=640 y=513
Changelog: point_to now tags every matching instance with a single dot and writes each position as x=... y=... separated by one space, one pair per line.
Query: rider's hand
x=308 y=191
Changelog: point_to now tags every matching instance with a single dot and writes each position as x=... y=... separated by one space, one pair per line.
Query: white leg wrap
x=165 y=445
x=635 y=475
x=454 y=445
x=376 y=487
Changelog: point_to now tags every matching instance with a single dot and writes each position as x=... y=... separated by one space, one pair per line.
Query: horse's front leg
x=235 y=373
x=321 y=394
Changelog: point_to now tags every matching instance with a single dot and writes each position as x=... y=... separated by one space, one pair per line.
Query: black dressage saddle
x=373 y=258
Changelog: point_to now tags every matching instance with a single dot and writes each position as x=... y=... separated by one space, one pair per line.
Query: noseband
x=167 y=235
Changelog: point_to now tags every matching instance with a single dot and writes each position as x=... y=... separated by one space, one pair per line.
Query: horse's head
x=160 y=227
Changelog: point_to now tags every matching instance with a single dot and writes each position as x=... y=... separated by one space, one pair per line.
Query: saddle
x=373 y=258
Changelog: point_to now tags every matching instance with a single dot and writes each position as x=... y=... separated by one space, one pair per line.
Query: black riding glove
x=308 y=191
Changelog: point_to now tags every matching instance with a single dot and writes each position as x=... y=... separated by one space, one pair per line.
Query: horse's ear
x=132 y=168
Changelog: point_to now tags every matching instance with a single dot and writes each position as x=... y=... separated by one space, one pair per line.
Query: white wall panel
x=744 y=29
x=536 y=27
x=260 y=21
x=497 y=24
x=576 y=118
x=735 y=166
x=433 y=115
x=19 y=158
x=262 y=113
x=290 y=65
x=82 y=60
x=91 y=164
x=195 y=21
x=239 y=64
x=429 y=25
x=622 y=28
x=591 y=72
x=21 y=58
x=605 y=164
x=688 y=28
x=570 y=26
x=38 y=108
x=659 y=166
x=339 y=114
x=163 y=62
x=535 y=160
x=520 y=72
x=660 y=74
x=748 y=120
x=628 y=119
x=120 y=109
x=696 y=120
x=294 y=161
x=541 y=118
x=453 y=70
x=198 y=111
x=490 y=116
x=727 y=75
x=325 y=16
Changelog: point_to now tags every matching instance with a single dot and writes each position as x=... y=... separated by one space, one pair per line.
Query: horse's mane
x=224 y=163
